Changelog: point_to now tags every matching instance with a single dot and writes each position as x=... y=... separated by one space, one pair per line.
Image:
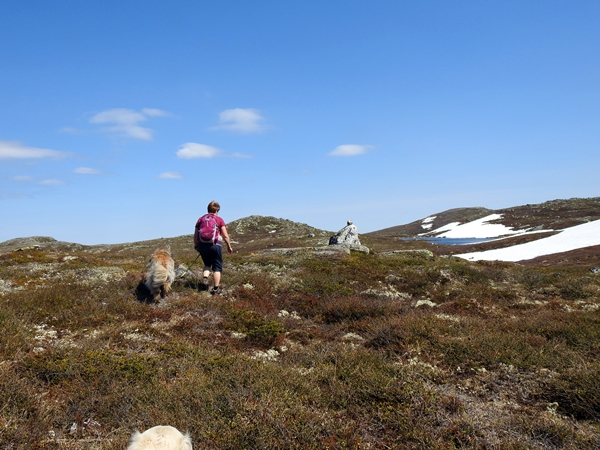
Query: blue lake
x=449 y=241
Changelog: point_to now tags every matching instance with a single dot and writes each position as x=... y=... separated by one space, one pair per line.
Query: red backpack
x=208 y=229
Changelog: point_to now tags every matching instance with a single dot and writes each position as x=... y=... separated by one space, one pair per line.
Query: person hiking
x=209 y=233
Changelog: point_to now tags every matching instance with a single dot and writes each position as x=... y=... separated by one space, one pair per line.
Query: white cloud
x=171 y=175
x=118 y=115
x=22 y=178
x=125 y=122
x=13 y=149
x=87 y=171
x=193 y=150
x=153 y=112
x=350 y=150
x=241 y=120
x=51 y=182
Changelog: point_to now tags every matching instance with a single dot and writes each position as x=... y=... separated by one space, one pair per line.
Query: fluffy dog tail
x=160 y=272
x=156 y=277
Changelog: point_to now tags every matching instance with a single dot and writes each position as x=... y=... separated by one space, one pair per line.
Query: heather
x=303 y=350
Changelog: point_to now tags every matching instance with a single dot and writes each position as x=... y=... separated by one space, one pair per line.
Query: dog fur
x=160 y=438
x=160 y=272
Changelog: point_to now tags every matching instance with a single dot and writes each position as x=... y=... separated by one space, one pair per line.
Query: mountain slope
x=572 y=238
x=528 y=232
x=551 y=215
x=432 y=222
x=525 y=223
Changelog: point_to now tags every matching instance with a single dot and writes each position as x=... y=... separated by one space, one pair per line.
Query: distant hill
x=519 y=225
x=256 y=233
x=551 y=215
x=259 y=232
x=247 y=234
x=438 y=220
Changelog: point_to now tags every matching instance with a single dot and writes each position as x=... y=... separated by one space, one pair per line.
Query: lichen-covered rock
x=353 y=247
x=416 y=252
x=347 y=235
x=260 y=226
x=347 y=238
x=37 y=243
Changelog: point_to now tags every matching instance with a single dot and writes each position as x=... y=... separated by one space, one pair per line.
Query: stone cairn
x=348 y=236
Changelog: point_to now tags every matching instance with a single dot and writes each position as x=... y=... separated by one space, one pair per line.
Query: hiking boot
x=215 y=290
x=204 y=285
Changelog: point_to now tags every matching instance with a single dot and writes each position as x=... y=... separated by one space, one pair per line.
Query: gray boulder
x=348 y=237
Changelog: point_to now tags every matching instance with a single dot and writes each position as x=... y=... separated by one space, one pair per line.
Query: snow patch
x=426 y=223
x=579 y=236
x=480 y=228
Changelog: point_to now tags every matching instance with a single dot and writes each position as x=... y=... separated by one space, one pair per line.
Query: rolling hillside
x=551 y=215
x=511 y=227
x=303 y=349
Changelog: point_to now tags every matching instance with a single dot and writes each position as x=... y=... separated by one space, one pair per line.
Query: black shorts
x=212 y=256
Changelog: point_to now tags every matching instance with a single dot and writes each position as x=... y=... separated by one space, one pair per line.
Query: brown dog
x=160 y=272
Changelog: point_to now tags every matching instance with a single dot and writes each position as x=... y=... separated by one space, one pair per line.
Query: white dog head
x=160 y=438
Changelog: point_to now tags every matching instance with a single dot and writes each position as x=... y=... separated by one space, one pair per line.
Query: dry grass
x=302 y=351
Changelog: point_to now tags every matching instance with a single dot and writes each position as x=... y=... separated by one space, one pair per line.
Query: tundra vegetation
x=303 y=350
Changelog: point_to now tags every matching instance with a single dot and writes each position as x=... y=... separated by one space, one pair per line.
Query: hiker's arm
x=225 y=237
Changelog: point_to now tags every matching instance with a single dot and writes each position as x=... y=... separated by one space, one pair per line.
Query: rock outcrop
x=348 y=237
x=36 y=243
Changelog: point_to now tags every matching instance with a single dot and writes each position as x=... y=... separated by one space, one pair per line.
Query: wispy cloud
x=87 y=171
x=16 y=150
x=125 y=122
x=52 y=182
x=10 y=195
x=241 y=120
x=193 y=150
x=153 y=112
x=350 y=150
x=170 y=175
x=46 y=182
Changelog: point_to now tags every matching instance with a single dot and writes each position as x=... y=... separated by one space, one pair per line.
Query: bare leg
x=205 y=274
x=216 y=278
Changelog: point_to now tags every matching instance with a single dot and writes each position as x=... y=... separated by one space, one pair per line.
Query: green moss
x=90 y=365
x=259 y=330
x=399 y=387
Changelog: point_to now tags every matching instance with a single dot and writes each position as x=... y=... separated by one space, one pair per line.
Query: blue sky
x=120 y=121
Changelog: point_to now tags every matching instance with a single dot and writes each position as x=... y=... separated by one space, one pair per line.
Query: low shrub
x=390 y=339
x=506 y=356
x=336 y=310
x=60 y=365
x=574 y=289
x=576 y=391
x=259 y=331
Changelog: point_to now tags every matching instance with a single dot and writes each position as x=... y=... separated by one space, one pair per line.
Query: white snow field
x=572 y=238
x=426 y=222
x=479 y=228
